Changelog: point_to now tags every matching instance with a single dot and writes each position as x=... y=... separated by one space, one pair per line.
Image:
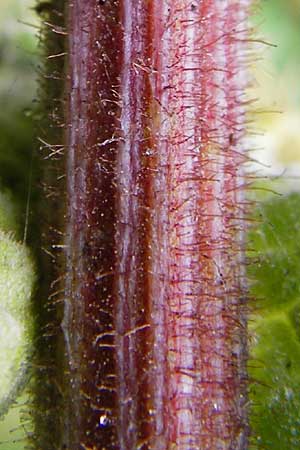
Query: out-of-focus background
x=274 y=242
x=277 y=89
x=18 y=75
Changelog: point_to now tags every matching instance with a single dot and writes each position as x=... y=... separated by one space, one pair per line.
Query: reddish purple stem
x=155 y=319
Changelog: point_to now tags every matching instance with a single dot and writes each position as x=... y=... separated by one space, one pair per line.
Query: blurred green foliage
x=280 y=21
x=17 y=281
x=18 y=74
x=277 y=243
x=275 y=363
x=276 y=69
x=275 y=240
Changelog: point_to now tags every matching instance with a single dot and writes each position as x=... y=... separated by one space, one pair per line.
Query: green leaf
x=17 y=281
x=275 y=352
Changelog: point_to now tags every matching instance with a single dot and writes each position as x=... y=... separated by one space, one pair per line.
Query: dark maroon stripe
x=95 y=50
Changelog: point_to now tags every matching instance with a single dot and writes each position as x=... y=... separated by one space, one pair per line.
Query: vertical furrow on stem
x=222 y=314
x=216 y=392
x=158 y=271
x=183 y=186
x=236 y=83
x=133 y=330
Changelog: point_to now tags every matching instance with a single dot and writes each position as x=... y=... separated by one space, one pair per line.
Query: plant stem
x=154 y=319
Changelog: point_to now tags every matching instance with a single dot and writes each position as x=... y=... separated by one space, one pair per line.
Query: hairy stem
x=154 y=320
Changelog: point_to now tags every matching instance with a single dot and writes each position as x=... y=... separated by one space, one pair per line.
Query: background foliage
x=18 y=74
